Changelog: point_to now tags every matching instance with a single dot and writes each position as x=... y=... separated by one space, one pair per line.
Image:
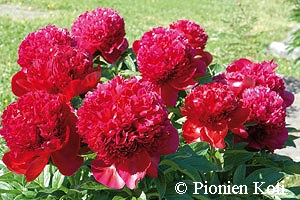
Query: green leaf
x=57 y=179
x=200 y=148
x=129 y=62
x=216 y=69
x=234 y=158
x=293 y=130
x=72 y=194
x=263 y=177
x=287 y=194
x=93 y=185
x=161 y=184
x=239 y=174
x=118 y=198
x=46 y=176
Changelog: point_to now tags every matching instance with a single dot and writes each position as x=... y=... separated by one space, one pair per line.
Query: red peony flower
x=267 y=112
x=101 y=30
x=39 y=127
x=243 y=74
x=211 y=110
x=127 y=125
x=196 y=36
x=166 y=59
x=266 y=106
x=38 y=46
x=265 y=136
x=67 y=70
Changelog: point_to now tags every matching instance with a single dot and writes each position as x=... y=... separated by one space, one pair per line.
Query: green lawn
x=234 y=31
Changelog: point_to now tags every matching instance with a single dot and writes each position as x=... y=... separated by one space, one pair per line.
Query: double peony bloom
x=125 y=121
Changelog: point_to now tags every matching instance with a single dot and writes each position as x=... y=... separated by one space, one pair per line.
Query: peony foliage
x=95 y=119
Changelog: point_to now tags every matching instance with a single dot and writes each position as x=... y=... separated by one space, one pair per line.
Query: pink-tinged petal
x=19 y=84
x=67 y=159
x=169 y=95
x=134 y=168
x=153 y=169
x=288 y=98
x=238 y=65
x=107 y=175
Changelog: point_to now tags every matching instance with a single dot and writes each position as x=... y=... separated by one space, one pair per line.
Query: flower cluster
x=262 y=99
x=55 y=67
x=125 y=124
x=263 y=92
x=211 y=110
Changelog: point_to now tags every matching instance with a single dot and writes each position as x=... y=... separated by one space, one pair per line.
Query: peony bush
x=95 y=119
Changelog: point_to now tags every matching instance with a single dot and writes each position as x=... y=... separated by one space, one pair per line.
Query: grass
x=234 y=30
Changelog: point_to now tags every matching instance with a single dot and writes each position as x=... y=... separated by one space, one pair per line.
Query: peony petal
x=27 y=163
x=216 y=137
x=184 y=85
x=67 y=159
x=239 y=86
x=169 y=95
x=114 y=53
x=153 y=168
x=170 y=141
x=136 y=46
x=238 y=65
x=134 y=168
x=201 y=68
x=36 y=167
x=238 y=117
x=206 y=57
x=191 y=132
x=77 y=87
x=107 y=175
x=19 y=84
x=288 y=98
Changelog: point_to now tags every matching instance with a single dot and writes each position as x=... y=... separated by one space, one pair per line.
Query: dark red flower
x=127 y=125
x=103 y=30
x=267 y=113
x=212 y=110
x=263 y=136
x=166 y=59
x=39 y=127
x=243 y=74
x=67 y=70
